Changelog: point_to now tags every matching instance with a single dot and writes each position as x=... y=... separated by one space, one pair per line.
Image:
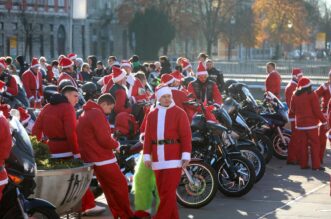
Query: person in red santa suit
x=32 y=82
x=8 y=83
x=289 y=91
x=96 y=146
x=324 y=93
x=139 y=92
x=305 y=109
x=67 y=71
x=119 y=92
x=178 y=96
x=5 y=147
x=167 y=149
x=204 y=89
x=62 y=137
x=273 y=80
x=187 y=67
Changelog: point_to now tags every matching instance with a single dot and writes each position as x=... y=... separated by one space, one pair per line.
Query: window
x=1 y=25
x=61 y=3
x=51 y=27
x=41 y=38
x=41 y=27
x=51 y=52
x=14 y=26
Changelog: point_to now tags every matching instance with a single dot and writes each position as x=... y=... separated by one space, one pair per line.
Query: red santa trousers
x=3 y=181
x=309 y=137
x=293 y=145
x=167 y=181
x=114 y=185
x=322 y=136
x=88 y=200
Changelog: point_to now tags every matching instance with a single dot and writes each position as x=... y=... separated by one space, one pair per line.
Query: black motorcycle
x=21 y=169
x=269 y=119
x=211 y=142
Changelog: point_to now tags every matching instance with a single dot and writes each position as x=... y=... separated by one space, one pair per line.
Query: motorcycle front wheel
x=279 y=148
x=203 y=189
x=240 y=185
x=35 y=213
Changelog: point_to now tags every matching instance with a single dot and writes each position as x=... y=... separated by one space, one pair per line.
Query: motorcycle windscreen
x=249 y=96
x=21 y=159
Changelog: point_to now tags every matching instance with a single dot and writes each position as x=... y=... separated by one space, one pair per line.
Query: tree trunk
x=209 y=44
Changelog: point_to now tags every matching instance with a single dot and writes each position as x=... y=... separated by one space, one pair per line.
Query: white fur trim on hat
x=171 y=81
x=189 y=65
x=163 y=91
x=73 y=57
x=120 y=77
x=36 y=65
x=307 y=85
x=202 y=73
x=300 y=74
x=67 y=66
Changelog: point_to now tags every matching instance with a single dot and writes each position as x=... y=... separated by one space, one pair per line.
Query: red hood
x=91 y=105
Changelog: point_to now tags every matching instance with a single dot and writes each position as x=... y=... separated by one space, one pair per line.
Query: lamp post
x=232 y=23
x=77 y=11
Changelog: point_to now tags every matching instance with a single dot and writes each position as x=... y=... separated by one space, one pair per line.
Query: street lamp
x=232 y=23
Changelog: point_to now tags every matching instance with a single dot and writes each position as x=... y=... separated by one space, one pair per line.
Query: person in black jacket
x=215 y=75
x=165 y=65
x=23 y=65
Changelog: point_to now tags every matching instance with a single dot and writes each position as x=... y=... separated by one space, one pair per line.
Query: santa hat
x=24 y=115
x=35 y=63
x=3 y=64
x=5 y=109
x=201 y=69
x=162 y=90
x=118 y=74
x=125 y=63
x=66 y=62
x=304 y=82
x=297 y=72
x=177 y=75
x=72 y=56
x=167 y=79
x=185 y=64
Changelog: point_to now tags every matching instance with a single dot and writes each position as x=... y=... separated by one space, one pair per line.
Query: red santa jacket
x=215 y=95
x=5 y=147
x=57 y=121
x=324 y=92
x=167 y=123
x=139 y=92
x=5 y=139
x=33 y=84
x=11 y=84
x=273 y=83
x=290 y=88
x=306 y=111
x=94 y=136
x=64 y=76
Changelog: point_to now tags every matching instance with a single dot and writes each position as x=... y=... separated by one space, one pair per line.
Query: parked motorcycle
x=210 y=141
x=269 y=119
x=21 y=169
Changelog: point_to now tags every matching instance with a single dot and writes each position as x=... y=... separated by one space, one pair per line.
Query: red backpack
x=126 y=124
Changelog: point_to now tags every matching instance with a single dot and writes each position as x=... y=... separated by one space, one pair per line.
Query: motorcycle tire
x=279 y=149
x=264 y=145
x=242 y=165
x=43 y=212
x=256 y=158
x=187 y=193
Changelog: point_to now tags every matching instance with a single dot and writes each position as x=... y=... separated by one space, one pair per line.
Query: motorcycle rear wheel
x=201 y=194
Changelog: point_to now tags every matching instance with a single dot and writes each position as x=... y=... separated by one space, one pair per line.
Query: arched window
x=61 y=40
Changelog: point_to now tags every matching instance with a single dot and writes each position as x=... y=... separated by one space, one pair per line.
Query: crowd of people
x=164 y=127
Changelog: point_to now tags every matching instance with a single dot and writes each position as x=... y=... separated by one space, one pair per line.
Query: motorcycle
x=21 y=169
x=210 y=142
x=268 y=119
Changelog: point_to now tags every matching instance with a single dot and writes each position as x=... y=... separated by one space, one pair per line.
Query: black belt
x=57 y=139
x=166 y=141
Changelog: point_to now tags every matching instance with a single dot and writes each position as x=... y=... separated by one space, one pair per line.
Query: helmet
x=49 y=91
x=63 y=83
x=89 y=90
x=228 y=83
